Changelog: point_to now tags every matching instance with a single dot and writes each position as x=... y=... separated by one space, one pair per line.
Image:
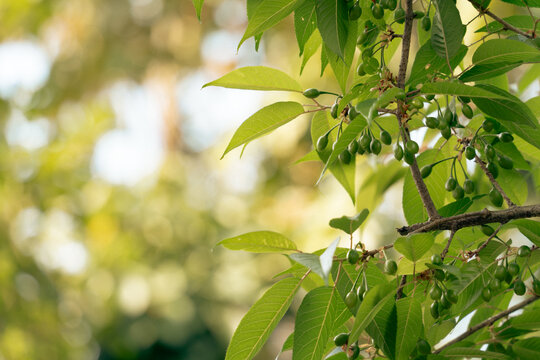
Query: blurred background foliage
x=112 y=191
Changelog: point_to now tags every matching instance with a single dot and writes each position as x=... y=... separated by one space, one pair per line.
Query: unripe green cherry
x=494 y=284
x=458 y=193
x=505 y=162
x=345 y=157
x=524 y=251
x=365 y=141
x=448 y=116
x=371 y=66
x=411 y=146
x=419 y=14
x=451 y=296
x=353 y=256
x=443 y=124
x=487 y=125
x=399 y=15
x=500 y=272
x=487 y=230
x=506 y=137
x=377 y=11
x=435 y=293
x=360 y=70
x=311 y=93
x=446 y=133
x=353 y=147
x=351 y=299
x=375 y=146
x=495 y=197
x=436 y=259
x=467 y=111
x=390 y=267
x=425 y=171
x=434 y=309
x=334 y=110
x=513 y=269
x=468 y=186
x=355 y=352
x=490 y=152
x=439 y=274
x=341 y=339
x=364 y=36
x=322 y=142
x=367 y=53
x=360 y=292
x=486 y=294
x=391 y=4
x=355 y=12
x=519 y=288
x=408 y=157
x=451 y=184
x=417 y=103
x=353 y=113
x=493 y=169
x=426 y=23
x=423 y=347
x=431 y=122
x=386 y=139
x=430 y=97
x=398 y=152
x=470 y=152
x=445 y=303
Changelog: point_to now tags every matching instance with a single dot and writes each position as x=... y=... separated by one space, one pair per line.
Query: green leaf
x=455 y=208
x=197 y=4
x=522 y=22
x=315 y=322
x=267 y=14
x=263 y=122
x=310 y=156
x=257 y=78
x=527 y=349
x=530 y=3
x=305 y=22
x=529 y=228
x=383 y=100
x=447 y=30
x=487 y=71
x=341 y=65
x=261 y=319
x=374 y=301
x=414 y=246
x=320 y=265
x=259 y=242
x=530 y=319
x=310 y=48
x=514 y=185
x=327 y=258
x=473 y=279
x=426 y=62
x=409 y=326
x=461 y=352
x=288 y=344
x=333 y=24
x=349 y=224
x=458 y=89
x=383 y=329
x=504 y=51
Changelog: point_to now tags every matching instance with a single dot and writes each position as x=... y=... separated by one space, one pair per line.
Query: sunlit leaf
x=259 y=242
x=198 y=7
x=409 y=326
x=305 y=22
x=257 y=78
x=504 y=51
x=414 y=246
x=349 y=224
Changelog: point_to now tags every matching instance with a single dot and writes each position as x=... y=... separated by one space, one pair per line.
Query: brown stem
x=487 y=322
x=485 y=243
x=399 y=293
x=496 y=185
x=445 y=251
x=501 y=21
x=472 y=219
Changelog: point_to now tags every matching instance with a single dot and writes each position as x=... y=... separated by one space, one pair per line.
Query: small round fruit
x=399 y=15
x=458 y=193
x=434 y=309
x=423 y=347
x=519 y=288
x=470 y=152
x=445 y=303
x=431 y=122
x=508 y=279
x=411 y=146
x=486 y=294
x=341 y=339
x=322 y=142
x=451 y=184
x=464 y=99
x=401 y=95
x=468 y=186
x=365 y=141
x=408 y=157
x=443 y=124
x=439 y=274
x=426 y=23
x=435 y=293
x=360 y=292
x=334 y=110
x=426 y=171
x=354 y=352
x=345 y=157
x=505 y=162
x=495 y=284
x=430 y=97
x=417 y=103
x=375 y=146
x=446 y=133
x=390 y=267
x=353 y=256
x=487 y=125
x=487 y=230
x=493 y=169
x=353 y=147
x=367 y=53
x=355 y=12
x=360 y=70
x=391 y=4
x=513 y=269
x=500 y=272
x=371 y=66
x=436 y=259
x=506 y=137
x=451 y=296
x=495 y=197
x=524 y=251
x=467 y=111
x=448 y=116
x=490 y=152
x=364 y=36
x=353 y=113
x=377 y=11
x=398 y=152
x=386 y=138
x=351 y=299
x=311 y=93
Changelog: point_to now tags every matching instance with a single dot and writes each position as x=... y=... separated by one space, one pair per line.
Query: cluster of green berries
x=443 y=298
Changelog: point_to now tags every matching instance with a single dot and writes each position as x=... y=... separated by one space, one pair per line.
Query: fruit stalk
x=496 y=185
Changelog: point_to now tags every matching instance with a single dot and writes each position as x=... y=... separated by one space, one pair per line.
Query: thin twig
x=445 y=251
x=496 y=185
x=501 y=21
x=485 y=243
x=399 y=293
x=487 y=322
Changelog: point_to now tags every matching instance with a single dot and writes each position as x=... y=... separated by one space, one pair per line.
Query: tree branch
x=496 y=185
x=472 y=219
x=487 y=322
x=501 y=21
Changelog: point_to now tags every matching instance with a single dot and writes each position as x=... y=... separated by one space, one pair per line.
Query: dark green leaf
x=530 y=3
x=522 y=22
x=305 y=22
x=426 y=61
x=341 y=65
x=461 y=352
x=333 y=24
x=457 y=88
x=488 y=71
x=527 y=349
x=530 y=319
x=409 y=326
x=374 y=301
x=529 y=228
x=504 y=51
x=447 y=31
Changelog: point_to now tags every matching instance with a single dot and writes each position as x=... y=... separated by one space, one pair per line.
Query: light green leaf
x=310 y=48
x=257 y=78
x=349 y=224
x=461 y=352
x=259 y=242
x=310 y=156
x=311 y=261
x=327 y=258
x=374 y=301
x=409 y=326
x=447 y=30
x=261 y=319
x=530 y=320
x=267 y=14
x=305 y=22
x=504 y=51
x=197 y=4
x=487 y=71
x=382 y=101
x=333 y=24
x=528 y=77
x=529 y=228
x=527 y=349
x=414 y=246
x=426 y=62
x=315 y=320
x=341 y=65
x=530 y=3
x=473 y=279
x=264 y=121
x=458 y=89
x=522 y=22
x=514 y=185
